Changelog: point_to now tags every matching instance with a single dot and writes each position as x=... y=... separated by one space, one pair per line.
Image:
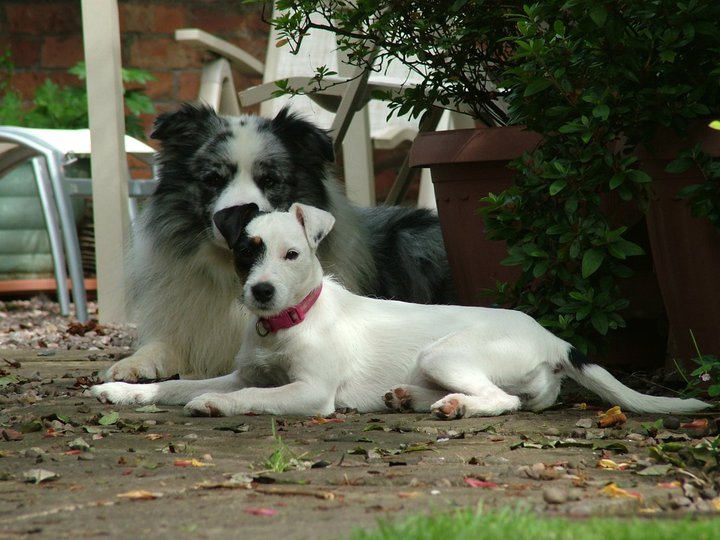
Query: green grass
x=515 y=525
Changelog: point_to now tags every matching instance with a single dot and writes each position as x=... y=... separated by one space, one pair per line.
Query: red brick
x=232 y=19
x=24 y=51
x=152 y=53
x=26 y=82
x=62 y=52
x=135 y=17
x=63 y=16
x=188 y=85
x=161 y=87
x=169 y=18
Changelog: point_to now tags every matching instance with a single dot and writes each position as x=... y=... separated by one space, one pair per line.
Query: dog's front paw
x=450 y=407
x=398 y=399
x=211 y=405
x=123 y=393
x=150 y=362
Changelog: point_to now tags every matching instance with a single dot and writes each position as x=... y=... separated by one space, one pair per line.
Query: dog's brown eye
x=291 y=255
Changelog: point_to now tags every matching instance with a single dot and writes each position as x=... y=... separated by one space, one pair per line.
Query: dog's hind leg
x=454 y=366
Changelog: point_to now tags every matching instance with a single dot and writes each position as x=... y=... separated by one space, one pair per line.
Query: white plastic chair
x=49 y=151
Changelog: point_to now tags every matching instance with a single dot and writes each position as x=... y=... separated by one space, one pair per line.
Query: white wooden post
x=101 y=33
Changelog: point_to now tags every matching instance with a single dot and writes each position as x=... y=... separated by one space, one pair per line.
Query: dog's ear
x=302 y=135
x=186 y=124
x=231 y=221
x=316 y=223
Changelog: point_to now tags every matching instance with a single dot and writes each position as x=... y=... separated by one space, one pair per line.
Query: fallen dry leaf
x=476 y=483
x=11 y=435
x=612 y=465
x=612 y=417
x=612 y=490
x=36 y=476
x=139 y=495
x=192 y=463
x=260 y=511
x=670 y=485
x=698 y=423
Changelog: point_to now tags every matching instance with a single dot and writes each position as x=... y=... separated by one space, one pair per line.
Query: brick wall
x=45 y=39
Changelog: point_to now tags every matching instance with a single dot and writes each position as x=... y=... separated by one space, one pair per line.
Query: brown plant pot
x=466 y=165
x=686 y=250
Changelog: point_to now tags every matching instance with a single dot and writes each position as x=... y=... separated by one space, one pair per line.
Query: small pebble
x=680 y=502
x=554 y=495
x=637 y=437
x=671 y=422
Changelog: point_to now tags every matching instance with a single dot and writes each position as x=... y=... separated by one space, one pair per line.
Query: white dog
x=315 y=346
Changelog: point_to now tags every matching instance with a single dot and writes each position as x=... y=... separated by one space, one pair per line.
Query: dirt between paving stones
x=71 y=467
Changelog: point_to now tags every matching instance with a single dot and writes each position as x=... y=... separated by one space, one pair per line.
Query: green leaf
x=679 y=165
x=536 y=86
x=109 y=418
x=8 y=379
x=638 y=176
x=592 y=259
x=601 y=111
x=616 y=180
x=600 y=322
x=557 y=186
x=598 y=14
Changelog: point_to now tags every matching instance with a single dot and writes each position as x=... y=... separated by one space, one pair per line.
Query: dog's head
x=209 y=162
x=275 y=253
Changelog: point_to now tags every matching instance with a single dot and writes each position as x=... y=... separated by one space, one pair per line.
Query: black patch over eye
x=214 y=179
x=247 y=252
x=264 y=180
x=291 y=255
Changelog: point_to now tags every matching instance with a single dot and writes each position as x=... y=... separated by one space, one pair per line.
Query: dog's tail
x=600 y=381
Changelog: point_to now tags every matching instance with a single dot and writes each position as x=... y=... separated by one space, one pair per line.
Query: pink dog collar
x=289 y=317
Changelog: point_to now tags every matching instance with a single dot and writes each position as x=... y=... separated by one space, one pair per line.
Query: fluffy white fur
x=368 y=354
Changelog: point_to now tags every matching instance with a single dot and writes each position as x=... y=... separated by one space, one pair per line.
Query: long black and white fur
x=368 y=354
x=182 y=287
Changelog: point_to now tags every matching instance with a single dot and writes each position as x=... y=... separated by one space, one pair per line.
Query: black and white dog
x=314 y=346
x=183 y=290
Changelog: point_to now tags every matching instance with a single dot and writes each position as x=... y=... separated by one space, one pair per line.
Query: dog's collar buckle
x=288 y=318
x=262 y=327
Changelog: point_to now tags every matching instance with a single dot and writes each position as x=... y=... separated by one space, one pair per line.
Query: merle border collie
x=182 y=287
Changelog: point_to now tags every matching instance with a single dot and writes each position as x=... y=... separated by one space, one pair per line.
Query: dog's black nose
x=263 y=291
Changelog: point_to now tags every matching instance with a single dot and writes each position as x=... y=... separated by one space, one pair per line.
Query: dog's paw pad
x=204 y=407
x=398 y=399
x=448 y=409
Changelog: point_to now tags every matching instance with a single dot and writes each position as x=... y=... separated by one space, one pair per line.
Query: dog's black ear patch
x=185 y=124
x=302 y=135
x=231 y=221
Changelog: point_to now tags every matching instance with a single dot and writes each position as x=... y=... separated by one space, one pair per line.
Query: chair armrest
x=243 y=61
x=328 y=98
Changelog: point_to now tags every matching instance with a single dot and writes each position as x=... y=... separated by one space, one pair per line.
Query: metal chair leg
x=49 y=206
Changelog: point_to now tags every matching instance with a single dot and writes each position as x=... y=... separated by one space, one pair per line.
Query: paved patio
x=70 y=467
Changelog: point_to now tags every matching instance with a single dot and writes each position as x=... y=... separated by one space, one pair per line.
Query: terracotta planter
x=686 y=251
x=467 y=164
